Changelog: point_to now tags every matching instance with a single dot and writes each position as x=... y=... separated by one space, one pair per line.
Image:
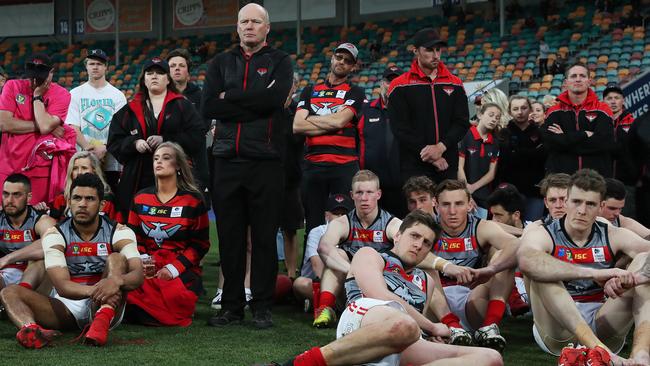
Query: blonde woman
x=496 y=96
x=80 y=163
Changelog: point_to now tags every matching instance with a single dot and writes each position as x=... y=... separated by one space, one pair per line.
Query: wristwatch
x=37 y=97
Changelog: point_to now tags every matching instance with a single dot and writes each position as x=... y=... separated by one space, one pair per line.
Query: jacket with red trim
x=626 y=164
x=424 y=112
x=249 y=116
x=178 y=121
x=573 y=149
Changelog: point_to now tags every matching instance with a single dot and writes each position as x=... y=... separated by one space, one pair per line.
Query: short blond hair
x=365 y=175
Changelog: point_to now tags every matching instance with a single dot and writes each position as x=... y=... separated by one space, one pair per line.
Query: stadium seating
x=476 y=52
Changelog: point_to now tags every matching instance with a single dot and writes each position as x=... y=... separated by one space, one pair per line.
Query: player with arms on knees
x=90 y=261
x=383 y=322
x=21 y=228
x=366 y=225
x=565 y=263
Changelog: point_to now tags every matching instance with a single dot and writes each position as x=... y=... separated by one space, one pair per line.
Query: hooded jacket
x=574 y=149
x=249 y=116
x=178 y=122
x=425 y=112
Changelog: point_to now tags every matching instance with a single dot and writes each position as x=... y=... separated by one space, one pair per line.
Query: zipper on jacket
x=577 y=112
x=435 y=110
x=268 y=134
x=239 y=123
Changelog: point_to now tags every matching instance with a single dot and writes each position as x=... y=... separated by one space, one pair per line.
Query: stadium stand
x=476 y=52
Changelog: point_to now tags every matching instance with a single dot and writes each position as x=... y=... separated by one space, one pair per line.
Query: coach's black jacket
x=248 y=116
x=573 y=149
x=424 y=112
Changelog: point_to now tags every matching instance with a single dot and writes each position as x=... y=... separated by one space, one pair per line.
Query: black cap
x=97 y=54
x=391 y=72
x=156 y=62
x=612 y=87
x=339 y=201
x=427 y=37
x=38 y=66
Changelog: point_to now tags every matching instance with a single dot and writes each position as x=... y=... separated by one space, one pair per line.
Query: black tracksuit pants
x=248 y=193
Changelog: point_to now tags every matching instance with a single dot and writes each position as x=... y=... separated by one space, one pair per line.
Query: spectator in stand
x=171 y=223
x=641 y=135
x=328 y=114
x=544 y=50
x=478 y=155
x=578 y=132
x=427 y=134
x=522 y=156
x=180 y=62
x=626 y=166
x=559 y=64
x=32 y=110
x=3 y=77
x=157 y=113
x=92 y=106
x=377 y=147
x=312 y=266
x=292 y=216
x=537 y=113
x=245 y=91
x=81 y=163
x=498 y=97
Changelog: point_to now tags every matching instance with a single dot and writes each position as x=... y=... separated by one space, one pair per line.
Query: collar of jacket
x=477 y=136
x=443 y=72
x=136 y=106
x=591 y=101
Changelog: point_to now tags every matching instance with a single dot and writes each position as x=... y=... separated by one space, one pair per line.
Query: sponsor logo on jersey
x=598 y=254
x=340 y=94
x=176 y=212
x=377 y=236
x=102 y=249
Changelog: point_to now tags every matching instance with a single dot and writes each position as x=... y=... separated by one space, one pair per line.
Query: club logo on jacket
x=158 y=233
x=591 y=116
x=262 y=71
x=448 y=90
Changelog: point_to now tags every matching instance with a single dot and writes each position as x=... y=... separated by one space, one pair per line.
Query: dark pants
x=643 y=202
x=393 y=201
x=543 y=66
x=113 y=178
x=317 y=184
x=248 y=194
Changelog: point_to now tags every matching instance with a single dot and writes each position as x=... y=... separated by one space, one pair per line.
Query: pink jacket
x=55 y=152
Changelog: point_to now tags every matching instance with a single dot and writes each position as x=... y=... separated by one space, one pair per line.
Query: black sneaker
x=225 y=317
x=262 y=319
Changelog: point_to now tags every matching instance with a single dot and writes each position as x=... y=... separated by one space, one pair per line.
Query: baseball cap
x=98 y=55
x=427 y=37
x=38 y=66
x=156 y=62
x=612 y=87
x=349 y=48
x=391 y=72
x=339 y=201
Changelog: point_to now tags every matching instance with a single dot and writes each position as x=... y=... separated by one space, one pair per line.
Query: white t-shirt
x=311 y=249
x=91 y=109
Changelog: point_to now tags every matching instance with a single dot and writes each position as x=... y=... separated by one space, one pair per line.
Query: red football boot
x=598 y=356
x=34 y=336
x=572 y=356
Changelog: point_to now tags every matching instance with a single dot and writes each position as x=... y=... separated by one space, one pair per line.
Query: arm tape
x=53 y=256
x=129 y=250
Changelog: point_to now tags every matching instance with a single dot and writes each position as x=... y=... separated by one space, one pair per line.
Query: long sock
x=327 y=299
x=26 y=285
x=313 y=357
x=451 y=320
x=494 y=312
x=106 y=312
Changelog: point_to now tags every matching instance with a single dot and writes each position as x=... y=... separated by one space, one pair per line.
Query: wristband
x=444 y=263
x=37 y=97
x=445 y=266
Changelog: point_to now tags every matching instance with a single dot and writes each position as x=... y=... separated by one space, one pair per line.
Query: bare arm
x=304 y=127
x=461 y=169
x=626 y=241
x=510 y=229
x=45 y=122
x=634 y=226
x=334 y=121
x=134 y=277
x=81 y=139
x=490 y=232
x=14 y=125
x=32 y=252
x=337 y=230
x=392 y=228
x=487 y=178
x=366 y=267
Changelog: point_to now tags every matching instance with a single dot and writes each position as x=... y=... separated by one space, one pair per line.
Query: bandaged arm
x=125 y=242
x=57 y=268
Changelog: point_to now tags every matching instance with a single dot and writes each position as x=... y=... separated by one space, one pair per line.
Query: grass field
x=200 y=344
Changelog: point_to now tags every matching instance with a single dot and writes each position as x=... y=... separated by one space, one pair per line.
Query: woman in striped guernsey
x=171 y=223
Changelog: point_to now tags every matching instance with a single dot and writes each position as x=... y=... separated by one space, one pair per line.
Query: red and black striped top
x=337 y=147
x=175 y=232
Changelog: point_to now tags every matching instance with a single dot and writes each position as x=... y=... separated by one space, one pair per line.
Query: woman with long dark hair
x=170 y=220
x=157 y=113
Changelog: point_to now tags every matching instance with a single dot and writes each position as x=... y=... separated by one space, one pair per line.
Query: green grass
x=200 y=344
